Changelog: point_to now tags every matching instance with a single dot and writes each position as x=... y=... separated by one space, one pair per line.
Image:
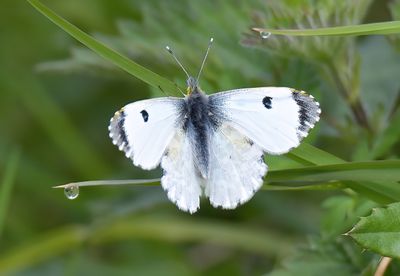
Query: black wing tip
x=309 y=112
x=117 y=132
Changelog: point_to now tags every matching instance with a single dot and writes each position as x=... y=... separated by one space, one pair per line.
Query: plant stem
x=355 y=104
x=383 y=265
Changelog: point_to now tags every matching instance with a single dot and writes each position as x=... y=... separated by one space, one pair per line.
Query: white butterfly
x=213 y=145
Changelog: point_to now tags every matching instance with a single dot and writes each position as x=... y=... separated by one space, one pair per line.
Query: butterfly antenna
x=177 y=61
x=205 y=57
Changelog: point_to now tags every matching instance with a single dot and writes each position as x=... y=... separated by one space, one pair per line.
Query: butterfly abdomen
x=198 y=124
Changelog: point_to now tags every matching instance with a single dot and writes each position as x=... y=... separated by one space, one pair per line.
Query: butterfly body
x=198 y=125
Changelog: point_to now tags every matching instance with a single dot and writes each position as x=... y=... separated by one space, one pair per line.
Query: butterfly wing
x=144 y=129
x=275 y=118
x=237 y=168
x=181 y=180
x=253 y=121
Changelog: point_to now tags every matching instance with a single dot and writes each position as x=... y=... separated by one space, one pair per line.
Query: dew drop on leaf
x=71 y=191
x=265 y=35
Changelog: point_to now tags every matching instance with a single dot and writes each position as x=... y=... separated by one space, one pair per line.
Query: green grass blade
x=386 y=170
x=109 y=54
x=381 y=28
x=6 y=186
x=310 y=155
x=328 y=185
x=111 y=182
x=381 y=192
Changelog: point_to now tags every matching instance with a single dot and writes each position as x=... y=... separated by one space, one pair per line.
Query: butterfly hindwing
x=275 y=118
x=181 y=180
x=144 y=129
x=237 y=168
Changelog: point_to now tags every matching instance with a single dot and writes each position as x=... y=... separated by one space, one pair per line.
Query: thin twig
x=110 y=182
x=383 y=265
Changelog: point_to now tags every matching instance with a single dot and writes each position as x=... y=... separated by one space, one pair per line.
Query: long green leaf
x=386 y=170
x=109 y=54
x=379 y=191
x=328 y=185
x=308 y=154
x=7 y=184
x=380 y=232
x=381 y=28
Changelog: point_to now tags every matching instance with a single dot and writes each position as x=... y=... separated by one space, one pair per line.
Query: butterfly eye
x=145 y=115
x=267 y=102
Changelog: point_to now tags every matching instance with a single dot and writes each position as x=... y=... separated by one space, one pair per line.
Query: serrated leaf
x=380 y=231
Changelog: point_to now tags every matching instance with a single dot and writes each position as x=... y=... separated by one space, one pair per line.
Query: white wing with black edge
x=275 y=118
x=143 y=129
x=237 y=168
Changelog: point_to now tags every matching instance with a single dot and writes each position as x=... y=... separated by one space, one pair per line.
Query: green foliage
x=331 y=251
x=121 y=61
x=60 y=123
x=6 y=186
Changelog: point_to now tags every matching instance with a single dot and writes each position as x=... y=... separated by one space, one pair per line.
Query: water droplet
x=265 y=35
x=71 y=191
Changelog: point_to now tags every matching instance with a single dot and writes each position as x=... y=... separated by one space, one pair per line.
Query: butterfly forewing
x=275 y=118
x=144 y=129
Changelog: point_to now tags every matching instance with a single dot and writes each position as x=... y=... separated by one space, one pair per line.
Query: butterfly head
x=192 y=85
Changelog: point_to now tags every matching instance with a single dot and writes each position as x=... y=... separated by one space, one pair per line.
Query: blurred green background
x=56 y=99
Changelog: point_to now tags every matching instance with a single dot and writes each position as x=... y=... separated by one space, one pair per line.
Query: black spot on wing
x=267 y=102
x=309 y=112
x=145 y=115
